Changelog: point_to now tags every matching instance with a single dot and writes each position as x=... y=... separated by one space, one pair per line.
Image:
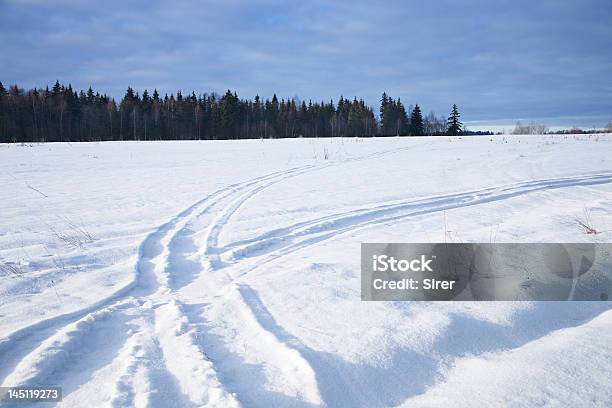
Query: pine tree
x=90 y=95
x=129 y=95
x=454 y=126
x=401 y=118
x=56 y=88
x=416 y=121
x=229 y=113
x=355 y=120
x=272 y=111
x=127 y=109
x=385 y=114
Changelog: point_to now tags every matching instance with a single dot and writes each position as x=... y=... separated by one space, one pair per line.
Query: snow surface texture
x=227 y=273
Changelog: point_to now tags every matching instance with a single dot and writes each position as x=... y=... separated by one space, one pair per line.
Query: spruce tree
x=272 y=112
x=400 y=118
x=228 y=114
x=56 y=88
x=90 y=95
x=454 y=126
x=129 y=95
x=416 y=121
x=385 y=114
x=355 y=120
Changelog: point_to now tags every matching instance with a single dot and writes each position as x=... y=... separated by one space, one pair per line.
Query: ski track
x=171 y=351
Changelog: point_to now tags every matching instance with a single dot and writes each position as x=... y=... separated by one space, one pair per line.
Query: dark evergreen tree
x=56 y=88
x=386 y=114
x=401 y=118
x=229 y=115
x=393 y=118
x=416 y=121
x=454 y=126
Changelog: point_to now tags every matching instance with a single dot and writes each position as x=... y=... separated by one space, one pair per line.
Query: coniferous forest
x=62 y=114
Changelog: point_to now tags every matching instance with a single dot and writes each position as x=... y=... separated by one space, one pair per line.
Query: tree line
x=63 y=114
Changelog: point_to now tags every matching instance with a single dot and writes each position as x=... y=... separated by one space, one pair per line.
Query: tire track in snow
x=168 y=254
x=40 y=365
x=285 y=363
x=333 y=225
x=253 y=362
x=184 y=364
x=324 y=228
x=197 y=378
x=223 y=217
x=264 y=336
x=18 y=344
x=41 y=349
x=184 y=253
x=301 y=235
x=179 y=247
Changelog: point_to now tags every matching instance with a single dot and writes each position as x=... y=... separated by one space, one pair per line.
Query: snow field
x=249 y=294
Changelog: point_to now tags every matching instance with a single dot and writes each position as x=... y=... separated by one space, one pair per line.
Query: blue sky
x=498 y=60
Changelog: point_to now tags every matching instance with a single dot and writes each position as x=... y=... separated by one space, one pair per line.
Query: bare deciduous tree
x=532 y=128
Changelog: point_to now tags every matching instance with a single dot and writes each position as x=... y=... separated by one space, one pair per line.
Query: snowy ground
x=227 y=273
